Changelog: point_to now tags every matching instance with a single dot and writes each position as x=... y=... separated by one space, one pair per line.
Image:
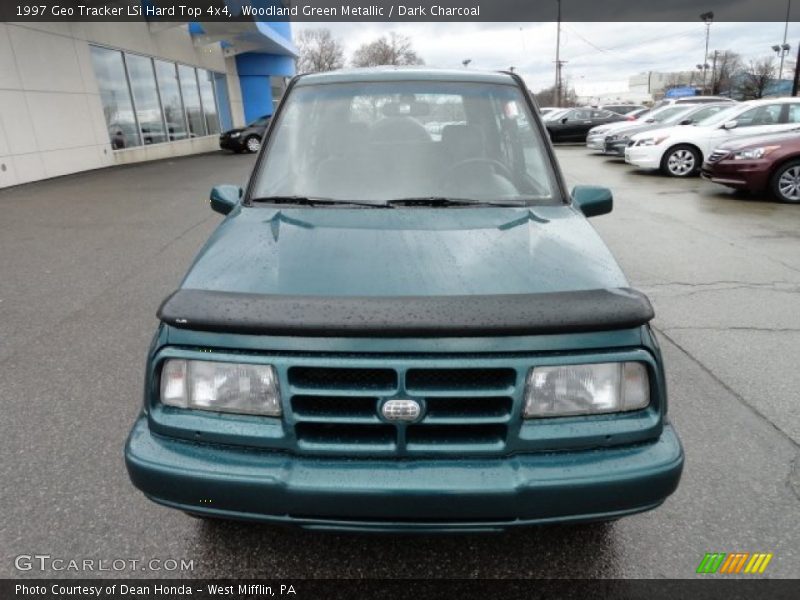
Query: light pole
x=707 y=18
x=781 y=51
x=557 y=87
x=784 y=45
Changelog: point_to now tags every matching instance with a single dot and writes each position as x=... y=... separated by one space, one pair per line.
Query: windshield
x=720 y=117
x=672 y=114
x=377 y=142
x=556 y=114
x=259 y=122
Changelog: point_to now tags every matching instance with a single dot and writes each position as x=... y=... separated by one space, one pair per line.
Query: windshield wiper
x=444 y=201
x=314 y=201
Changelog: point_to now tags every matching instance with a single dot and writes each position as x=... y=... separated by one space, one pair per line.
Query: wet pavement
x=85 y=260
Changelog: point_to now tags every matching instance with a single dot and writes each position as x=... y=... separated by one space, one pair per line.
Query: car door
x=579 y=124
x=768 y=118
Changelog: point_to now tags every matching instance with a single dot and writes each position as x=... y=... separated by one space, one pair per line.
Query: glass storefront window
x=191 y=100
x=145 y=98
x=167 y=76
x=206 y=79
x=150 y=101
x=115 y=96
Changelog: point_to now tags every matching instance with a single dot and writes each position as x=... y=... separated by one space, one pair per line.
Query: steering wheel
x=500 y=167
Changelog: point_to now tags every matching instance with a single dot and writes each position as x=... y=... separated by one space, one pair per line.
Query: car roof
x=761 y=101
x=392 y=73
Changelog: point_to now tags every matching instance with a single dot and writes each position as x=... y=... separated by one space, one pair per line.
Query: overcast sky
x=601 y=56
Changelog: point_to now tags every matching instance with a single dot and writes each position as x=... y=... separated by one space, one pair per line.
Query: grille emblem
x=401 y=410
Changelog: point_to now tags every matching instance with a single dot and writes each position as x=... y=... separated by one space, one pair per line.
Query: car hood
x=404 y=252
x=614 y=126
x=760 y=140
x=634 y=129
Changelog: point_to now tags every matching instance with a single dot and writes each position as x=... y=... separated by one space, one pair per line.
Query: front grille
x=464 y=410
x=717 y=155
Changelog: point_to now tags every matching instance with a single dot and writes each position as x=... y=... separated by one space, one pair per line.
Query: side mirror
x=650 y=120
x=564 y=120
x=592 y=200
x=224 y=198
x=730 y=124
x=686 y=122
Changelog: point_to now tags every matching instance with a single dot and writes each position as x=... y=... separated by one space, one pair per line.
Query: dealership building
x=80 y=96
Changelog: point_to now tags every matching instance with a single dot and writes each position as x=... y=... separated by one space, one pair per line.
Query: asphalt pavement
x=85 y=261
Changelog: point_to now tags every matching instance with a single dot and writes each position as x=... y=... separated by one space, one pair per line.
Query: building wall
x=51 y=117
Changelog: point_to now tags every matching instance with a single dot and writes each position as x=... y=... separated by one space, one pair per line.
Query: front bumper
x=751 y=175
x=596 y=142
x=616 y=148
x=229 y=143
x=391 y=495
x=644 y=157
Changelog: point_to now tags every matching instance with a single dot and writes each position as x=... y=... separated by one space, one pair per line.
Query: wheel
x=253 y=144
x=681 y=161
x=785 y=182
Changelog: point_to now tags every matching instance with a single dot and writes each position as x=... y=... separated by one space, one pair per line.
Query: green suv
x=406 y=322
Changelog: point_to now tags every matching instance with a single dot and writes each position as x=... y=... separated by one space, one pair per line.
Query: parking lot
x=86 y=260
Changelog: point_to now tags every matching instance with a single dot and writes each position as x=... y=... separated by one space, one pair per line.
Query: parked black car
x=245 y=139
x=678 y=114
x=573 y=124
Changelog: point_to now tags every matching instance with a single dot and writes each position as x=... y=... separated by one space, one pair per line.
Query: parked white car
x=680 y=151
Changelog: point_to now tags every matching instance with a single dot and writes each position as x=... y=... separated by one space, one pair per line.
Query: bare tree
x=547 y=96
x=394 y=50
x=727 y=64
x=756 y=76
x=319 y=51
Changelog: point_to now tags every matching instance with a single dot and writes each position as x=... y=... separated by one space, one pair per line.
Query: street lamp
x=781 y=50
x=707 y=18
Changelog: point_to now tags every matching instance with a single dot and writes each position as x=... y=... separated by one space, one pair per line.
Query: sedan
x=574 y=124
x=678 y=114
x=680 y=151
x=759 y=164
x=245 y=139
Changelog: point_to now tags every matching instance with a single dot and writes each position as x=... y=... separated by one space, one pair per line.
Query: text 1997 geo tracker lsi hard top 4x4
x=406 y=322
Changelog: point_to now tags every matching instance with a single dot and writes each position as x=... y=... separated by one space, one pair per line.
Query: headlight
x=220 y=386
x=236 y=134
x=651 y=141
x=754 y=153
x=586 y=389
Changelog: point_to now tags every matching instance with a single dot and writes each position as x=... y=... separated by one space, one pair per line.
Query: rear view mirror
x=592 y=200
x=730 y=125
x=224 y=198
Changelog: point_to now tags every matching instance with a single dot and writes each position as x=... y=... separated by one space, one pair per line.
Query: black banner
x=401 y=11
x=711 y=588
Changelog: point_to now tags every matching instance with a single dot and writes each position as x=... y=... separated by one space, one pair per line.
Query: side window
x=580 y=115
x=601 y=114
x=761 y=115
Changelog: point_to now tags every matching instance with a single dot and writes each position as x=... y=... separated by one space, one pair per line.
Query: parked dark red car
x=759 y=164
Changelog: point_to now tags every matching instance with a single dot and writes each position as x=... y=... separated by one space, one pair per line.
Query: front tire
x=785 y=182
x=681 y=161
x=253 y=144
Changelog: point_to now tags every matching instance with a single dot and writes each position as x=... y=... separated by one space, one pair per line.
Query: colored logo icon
x=734 y=563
